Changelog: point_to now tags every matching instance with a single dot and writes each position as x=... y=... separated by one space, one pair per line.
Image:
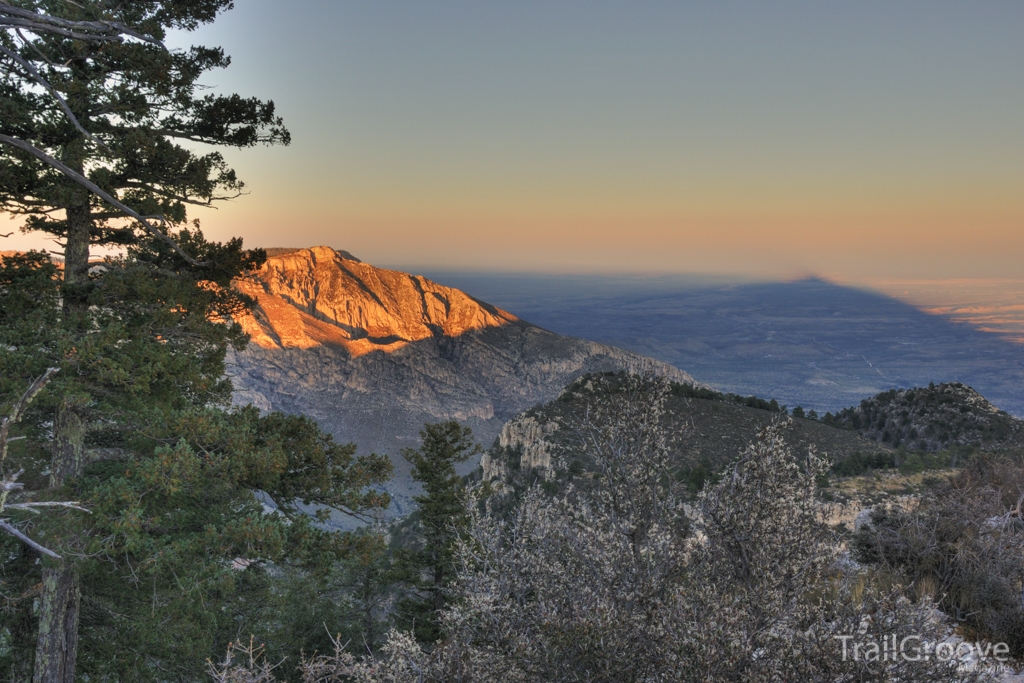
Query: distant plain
x=806 y=342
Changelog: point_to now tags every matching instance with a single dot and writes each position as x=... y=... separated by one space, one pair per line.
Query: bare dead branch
x=38 y=78
x=110 y=31
x=254 y=668
x=43 y=27
x=11 y=482
x=49 y=20
x=95 y=189
x=135 y=34
x=34 y=47
x=71 y=504
x=19 y=408
x=13 y=531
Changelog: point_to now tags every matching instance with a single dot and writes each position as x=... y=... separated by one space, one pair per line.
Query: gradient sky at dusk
x=846 y=139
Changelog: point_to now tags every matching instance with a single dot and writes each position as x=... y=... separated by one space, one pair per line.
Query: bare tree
x=9 y=483
x=243 y=663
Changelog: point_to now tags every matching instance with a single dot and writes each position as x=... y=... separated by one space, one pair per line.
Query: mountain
x=933 y=418
x=371 y=354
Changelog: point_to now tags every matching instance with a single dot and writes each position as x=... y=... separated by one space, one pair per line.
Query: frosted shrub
x=766 y=599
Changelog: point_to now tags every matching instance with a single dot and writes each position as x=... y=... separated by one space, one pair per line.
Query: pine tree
x=200 y=550
x=93 y=116
x=93 y=111
x=440 y=518
x=171 y=480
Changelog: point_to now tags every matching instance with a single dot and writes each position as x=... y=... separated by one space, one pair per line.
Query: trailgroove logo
x=913 y=648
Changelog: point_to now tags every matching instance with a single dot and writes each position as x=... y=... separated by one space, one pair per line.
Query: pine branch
x=209 y=203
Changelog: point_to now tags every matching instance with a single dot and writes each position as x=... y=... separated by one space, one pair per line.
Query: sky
x=850 y=140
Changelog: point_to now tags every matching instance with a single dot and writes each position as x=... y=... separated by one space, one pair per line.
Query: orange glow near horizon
x=854 y=141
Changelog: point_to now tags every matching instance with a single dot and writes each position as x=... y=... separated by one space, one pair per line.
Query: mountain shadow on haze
x=809 y=342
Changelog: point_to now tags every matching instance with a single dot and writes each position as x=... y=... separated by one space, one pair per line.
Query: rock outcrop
x=525 y=434
x=372 y=354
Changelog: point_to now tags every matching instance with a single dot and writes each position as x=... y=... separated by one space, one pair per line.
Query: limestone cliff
x=372 y=354
x=524 y=434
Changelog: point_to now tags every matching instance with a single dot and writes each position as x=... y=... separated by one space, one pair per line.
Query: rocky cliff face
x=312 y=297
x=372 y=354
x=525 y=435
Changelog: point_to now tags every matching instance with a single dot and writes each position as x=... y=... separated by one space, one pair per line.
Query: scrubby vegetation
x=963 y=543
x=906 y=462
x=614 y=578
x=696 y=391
x=704 y=431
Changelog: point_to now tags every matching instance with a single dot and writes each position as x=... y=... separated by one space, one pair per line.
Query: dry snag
x=9 y=480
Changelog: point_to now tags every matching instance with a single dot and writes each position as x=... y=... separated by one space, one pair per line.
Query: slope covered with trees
x=933 y=418
x=704 y=430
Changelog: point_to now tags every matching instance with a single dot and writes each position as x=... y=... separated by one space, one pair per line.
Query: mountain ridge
x=704 y=432
x=322 y=296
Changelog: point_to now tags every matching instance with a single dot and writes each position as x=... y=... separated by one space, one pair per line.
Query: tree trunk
x=369 y=637
x=68 y=444
x=57 y=643
x=438 y=588
x=57 y=647
x=76 y=247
